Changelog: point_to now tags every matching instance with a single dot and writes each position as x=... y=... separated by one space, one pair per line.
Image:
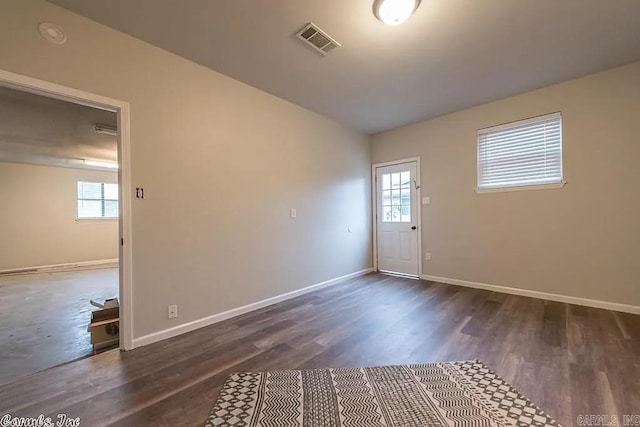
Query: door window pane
x=395 y=214
x=386 y=182
x=386 y=213
x=386 y=197
x=405 y=197
x=405 y=214
x=395 y=180
x=396 y=197
x=405 y=179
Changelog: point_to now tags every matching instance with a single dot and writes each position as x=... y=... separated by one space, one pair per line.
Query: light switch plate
x=426 y=200
x=294 y=213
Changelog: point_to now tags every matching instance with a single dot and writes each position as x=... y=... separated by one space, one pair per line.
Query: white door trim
x=121 y=108
x=374 y=208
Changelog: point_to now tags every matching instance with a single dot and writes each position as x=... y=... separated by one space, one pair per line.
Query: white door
x=397 y=219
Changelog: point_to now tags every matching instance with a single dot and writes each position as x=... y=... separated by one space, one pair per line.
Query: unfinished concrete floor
x=44 y=317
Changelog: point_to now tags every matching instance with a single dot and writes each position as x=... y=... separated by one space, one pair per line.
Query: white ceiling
x=41 y=130
x=452 y=54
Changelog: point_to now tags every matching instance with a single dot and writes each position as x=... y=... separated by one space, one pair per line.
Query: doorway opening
x=397 y=218
x=65 y=252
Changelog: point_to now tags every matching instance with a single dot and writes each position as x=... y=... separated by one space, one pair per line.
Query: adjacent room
x=59 y=251
x=339 y=213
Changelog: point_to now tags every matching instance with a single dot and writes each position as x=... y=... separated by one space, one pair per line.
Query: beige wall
x=582 y=240
x=38 y=218
x=221 y=163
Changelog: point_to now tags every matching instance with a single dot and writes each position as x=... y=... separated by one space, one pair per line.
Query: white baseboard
x=625 y=308
x=59 y=267
x=210 y=320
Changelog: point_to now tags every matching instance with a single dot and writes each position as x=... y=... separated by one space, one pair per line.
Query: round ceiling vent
x=52 y=33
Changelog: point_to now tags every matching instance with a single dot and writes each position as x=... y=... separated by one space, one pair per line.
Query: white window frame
x=534 y=186
x=95 y=218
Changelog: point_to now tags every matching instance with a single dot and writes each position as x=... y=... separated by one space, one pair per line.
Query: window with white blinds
x=97 y=200
x=523 y=153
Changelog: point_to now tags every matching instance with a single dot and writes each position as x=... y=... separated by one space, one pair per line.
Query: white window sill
x=521 y=188
x=96 y=219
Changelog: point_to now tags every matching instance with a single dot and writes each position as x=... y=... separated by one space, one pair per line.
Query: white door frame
x=374 y=208
x=121 y=108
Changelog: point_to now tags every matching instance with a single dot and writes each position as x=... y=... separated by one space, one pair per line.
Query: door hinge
x=121 y=241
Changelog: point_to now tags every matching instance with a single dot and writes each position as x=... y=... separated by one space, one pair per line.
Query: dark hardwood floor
x=570 y=360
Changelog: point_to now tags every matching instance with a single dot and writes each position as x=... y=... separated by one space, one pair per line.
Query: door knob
x=414 y=227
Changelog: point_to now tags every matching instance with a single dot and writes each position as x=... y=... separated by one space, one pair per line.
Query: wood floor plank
x=570 y=360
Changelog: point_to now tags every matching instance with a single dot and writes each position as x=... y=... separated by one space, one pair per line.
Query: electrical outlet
x=426 y=200
x=173 y=311
x=427 y=256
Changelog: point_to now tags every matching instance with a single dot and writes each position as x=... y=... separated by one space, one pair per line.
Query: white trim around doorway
x=374 y=208
x=121 y=108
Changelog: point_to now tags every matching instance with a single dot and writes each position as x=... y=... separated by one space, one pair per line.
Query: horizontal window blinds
x=528 y=152
x=97 y=200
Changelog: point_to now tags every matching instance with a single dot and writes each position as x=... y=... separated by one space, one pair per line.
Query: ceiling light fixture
x=100 y=164
x=394 y=12
x=105 y=129
x=52 y=33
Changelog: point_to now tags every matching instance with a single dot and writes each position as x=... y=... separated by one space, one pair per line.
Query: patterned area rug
x=435 y=394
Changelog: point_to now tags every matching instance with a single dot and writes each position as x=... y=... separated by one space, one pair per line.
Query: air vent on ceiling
x=317 y=39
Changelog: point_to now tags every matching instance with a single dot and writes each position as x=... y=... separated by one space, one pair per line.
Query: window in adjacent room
x=524 y=154
x=97 y=200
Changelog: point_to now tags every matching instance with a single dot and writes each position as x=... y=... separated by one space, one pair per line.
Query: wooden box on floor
x=105 y=329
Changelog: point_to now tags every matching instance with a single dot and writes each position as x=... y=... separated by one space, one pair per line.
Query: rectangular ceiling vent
x=317 y=39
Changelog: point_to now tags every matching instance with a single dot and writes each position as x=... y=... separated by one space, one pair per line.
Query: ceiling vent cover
x=317 y=39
